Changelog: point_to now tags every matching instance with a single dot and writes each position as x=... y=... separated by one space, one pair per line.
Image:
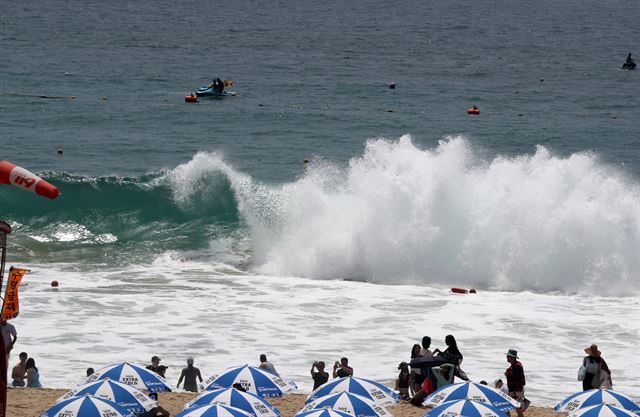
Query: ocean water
x=197 y=229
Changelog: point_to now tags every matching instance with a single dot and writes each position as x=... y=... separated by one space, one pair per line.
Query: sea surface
x=319 y=213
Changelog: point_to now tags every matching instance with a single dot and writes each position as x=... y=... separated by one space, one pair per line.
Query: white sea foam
x=443 y=216
x=177 y=308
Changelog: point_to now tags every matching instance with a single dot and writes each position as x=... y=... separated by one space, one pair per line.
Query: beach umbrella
x=131 y=374
x=602 y=410
x=466 y=408
x=87 y=406
x=252 y=379
x=471 y=391
x=124 y=395
x=246 y=401
x=213 y=410
x=372 y=390
x=324 y=412
x=594 y=397
x=349 y=403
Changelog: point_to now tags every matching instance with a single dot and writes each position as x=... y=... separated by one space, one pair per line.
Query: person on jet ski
x=218 y=86
x=629 y=59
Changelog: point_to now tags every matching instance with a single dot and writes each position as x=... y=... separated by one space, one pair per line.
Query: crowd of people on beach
x=426 y=371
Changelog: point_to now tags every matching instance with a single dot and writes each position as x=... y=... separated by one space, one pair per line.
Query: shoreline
x=33 y=402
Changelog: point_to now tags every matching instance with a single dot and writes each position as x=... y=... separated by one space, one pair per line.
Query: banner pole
x=5 y=229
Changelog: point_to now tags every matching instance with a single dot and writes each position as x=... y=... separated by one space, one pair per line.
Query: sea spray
x=443 y=216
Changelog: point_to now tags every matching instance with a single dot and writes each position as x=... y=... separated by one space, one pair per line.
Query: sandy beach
x=33 y=402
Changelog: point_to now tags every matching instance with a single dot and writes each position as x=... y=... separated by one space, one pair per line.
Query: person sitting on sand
x=90 y=372
x=19 y=371
x=320 y=377
x=404 y=381
x=342 y=369
x=267 y=366
x=33 y=376
x=189 y=374
x=416 y=373
x=499 y=384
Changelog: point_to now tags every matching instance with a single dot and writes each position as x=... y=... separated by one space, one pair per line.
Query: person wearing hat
x=516 y=381
x=189 y=374
x=597 y=372
x=156 y=367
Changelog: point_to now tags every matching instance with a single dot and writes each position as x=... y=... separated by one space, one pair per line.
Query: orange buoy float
x=473 y=110
x=20 y=177
x=191 y=98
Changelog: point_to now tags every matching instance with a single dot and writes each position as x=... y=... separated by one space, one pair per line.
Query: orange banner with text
x=11 y=305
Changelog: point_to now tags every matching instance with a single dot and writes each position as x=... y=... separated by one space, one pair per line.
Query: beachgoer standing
x=416 y=373
x=342 y=369
x=33 y=376
x=425 y=352
x=156 y=367
x=10 y=335
x=516 y=380
x=19 y=371
x=189 y=374
x=320 y=377
x=597 y=372
x=267 y=366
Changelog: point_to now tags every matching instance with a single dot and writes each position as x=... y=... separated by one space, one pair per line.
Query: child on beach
x=404 y=381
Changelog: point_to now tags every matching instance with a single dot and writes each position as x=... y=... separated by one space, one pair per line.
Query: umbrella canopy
x=124 y=395
x=131 y=374
x=252 y=379
x=246 y=401
x=594 y=397
x=602 y=410
x=87 y=406
x=465 y=408
x=353 y=404
x=372 y=390
x=213 y=410
x=324 y=412
x=472 y=391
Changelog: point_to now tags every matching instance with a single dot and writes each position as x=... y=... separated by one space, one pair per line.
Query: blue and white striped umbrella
x=372 y=390
x=131 y=374
x=324 y=412
x=252 y=379
x=124 y=395
x=246 y=401
x=471 y=391
x=213 y=410
x=87 y=406
x=349 y=403
x=594 y=397
x=602 y=410
x=465 y=408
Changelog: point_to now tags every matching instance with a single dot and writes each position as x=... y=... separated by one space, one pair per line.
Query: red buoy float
x=473 y=110
x=20 y=177
x=462 y=291
x=191 y=99
x=54 y=283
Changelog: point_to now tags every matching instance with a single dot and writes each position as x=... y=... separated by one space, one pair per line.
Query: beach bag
x=582 y=372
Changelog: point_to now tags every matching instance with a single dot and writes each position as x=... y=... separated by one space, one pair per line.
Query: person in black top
x=320 y=377
x=451 y=354
x=342 y=369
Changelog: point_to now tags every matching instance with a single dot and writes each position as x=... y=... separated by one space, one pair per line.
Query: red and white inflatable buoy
x=474 y=110
x=191 y=99
x=20 y=177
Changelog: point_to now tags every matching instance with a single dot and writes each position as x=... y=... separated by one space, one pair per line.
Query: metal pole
x=5 y=229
